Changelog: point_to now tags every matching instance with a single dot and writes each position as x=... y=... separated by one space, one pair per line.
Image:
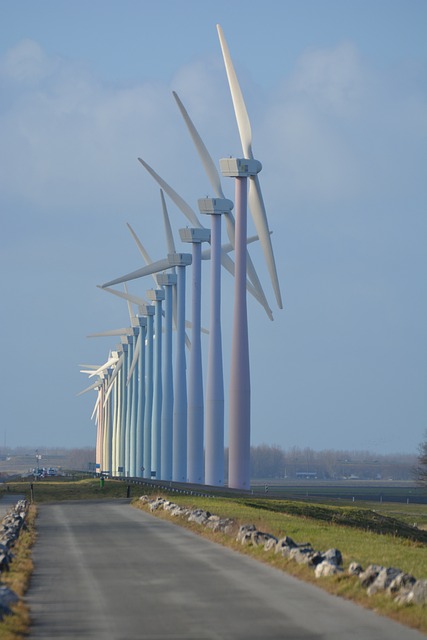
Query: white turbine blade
x=240 y=111
x=180 y=202
x=142 y=250
x=227 y=247
x=129 y=303
x=109 y=390
x=117 y=368
x=113 y=378
x=136 y=353
x=205 y=157
x=96 y=406
x=168 y=229
x=189 y=325
x=110 y=332
x=256 y=205
x=107 y=365
x=95 y=385
x=140 y=302
x=155 y=267
x=89 y=366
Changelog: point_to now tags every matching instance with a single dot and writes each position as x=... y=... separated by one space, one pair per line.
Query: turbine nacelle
x=197 y=235
x=215 y=205
x=239 y=167
x=179 y=259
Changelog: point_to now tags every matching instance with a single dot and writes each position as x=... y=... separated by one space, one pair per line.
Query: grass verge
x=15 y=626
x=355 y=543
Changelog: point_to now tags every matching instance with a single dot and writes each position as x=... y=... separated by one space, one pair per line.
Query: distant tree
x=421 y=470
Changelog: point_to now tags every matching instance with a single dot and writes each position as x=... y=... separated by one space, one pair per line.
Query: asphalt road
x=107 y=571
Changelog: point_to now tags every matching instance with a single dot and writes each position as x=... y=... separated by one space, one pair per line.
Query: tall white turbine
x=157 y=296
x=241 y=170
x=214 y=445
x=168 y=281
x=195 y=466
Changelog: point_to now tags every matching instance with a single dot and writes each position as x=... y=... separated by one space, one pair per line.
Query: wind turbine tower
x=168 y=281
x=157 y=296
x=214 y=449
x=195 y=466
x=242 y=170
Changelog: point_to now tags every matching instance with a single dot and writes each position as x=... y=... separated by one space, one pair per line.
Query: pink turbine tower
x=240 y=390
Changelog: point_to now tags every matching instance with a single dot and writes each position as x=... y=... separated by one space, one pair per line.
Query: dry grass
x=15 y=626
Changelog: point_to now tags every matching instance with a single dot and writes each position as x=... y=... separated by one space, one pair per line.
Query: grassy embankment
x=362 y=534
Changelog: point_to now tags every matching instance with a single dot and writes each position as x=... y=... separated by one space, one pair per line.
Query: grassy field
x=383 y=536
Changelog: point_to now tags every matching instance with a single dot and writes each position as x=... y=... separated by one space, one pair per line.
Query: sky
x=336 y=94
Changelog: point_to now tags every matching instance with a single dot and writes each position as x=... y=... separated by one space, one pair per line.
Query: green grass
x=58 y=489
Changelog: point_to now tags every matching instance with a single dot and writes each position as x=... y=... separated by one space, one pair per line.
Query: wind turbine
x=168 y=281
x=214 y=449
x=241 y=170
x=195 y=470
x=157 y=296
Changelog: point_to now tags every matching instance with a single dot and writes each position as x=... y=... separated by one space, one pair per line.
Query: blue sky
x=336 y=93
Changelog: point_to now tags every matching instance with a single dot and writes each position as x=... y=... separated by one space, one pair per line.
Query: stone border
x=10 y=529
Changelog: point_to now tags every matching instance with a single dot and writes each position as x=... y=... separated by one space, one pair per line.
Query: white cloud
x=27 y=64
x=332 y=80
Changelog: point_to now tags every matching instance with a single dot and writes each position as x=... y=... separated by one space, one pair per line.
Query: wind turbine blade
x=155 y=267
x=89 y=366
x=142 y=250
x=227 y=247
x=107 y=365
x=180 y=203
x=111 y=332
x=168 y=229
x=256 y=205
x=95 y=385
x=117 y=368
x=205 y=157
x=96 y=406
x=240 y=111
x=113 y=378
x=108 y=391
x=140 y=302
x=129 y=303
x=189 y=325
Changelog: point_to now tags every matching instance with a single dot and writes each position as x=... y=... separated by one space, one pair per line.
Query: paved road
x=104 y=570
